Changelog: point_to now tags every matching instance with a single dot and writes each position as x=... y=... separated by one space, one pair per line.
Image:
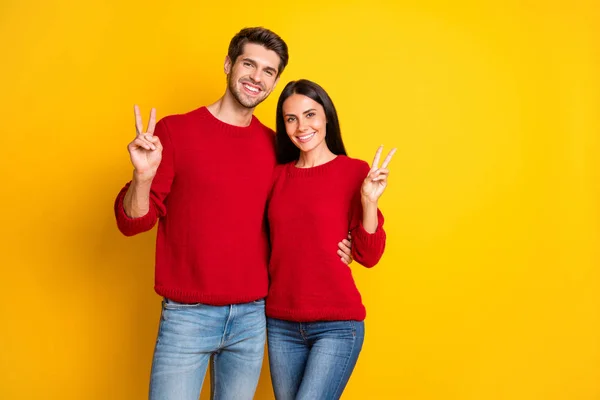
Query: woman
x=315 y=313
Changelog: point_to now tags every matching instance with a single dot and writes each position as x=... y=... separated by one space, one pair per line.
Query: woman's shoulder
x=282 y=167
x=279 y=169
x=355 y=164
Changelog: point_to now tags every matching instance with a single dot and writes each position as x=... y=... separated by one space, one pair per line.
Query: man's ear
x=227 y=65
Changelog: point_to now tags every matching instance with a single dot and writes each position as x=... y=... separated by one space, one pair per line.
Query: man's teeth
x=252 y=89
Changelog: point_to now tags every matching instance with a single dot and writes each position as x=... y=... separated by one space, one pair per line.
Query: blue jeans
x=191 y=335
x=312 y=360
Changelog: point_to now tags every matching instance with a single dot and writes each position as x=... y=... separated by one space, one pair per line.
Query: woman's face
x=305 y=122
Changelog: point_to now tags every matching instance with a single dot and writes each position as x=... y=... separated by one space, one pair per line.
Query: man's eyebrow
x=254 y=63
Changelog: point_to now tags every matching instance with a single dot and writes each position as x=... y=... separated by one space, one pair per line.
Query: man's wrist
x=141 y=178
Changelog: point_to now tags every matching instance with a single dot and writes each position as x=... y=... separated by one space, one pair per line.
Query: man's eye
x=247 y=64
x=270 y=73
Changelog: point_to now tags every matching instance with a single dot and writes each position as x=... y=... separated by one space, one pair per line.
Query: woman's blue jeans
x=312 y=360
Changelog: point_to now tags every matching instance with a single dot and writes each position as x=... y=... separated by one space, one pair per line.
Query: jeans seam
x=228 y=322
x=335 y=393
x=303 y=333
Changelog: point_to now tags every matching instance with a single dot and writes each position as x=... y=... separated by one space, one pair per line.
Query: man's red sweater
x=209 y=196
x=310 y=211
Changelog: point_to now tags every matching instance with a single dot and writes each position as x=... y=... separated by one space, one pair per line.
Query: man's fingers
x=139 y=127
x=140 y=143
x=344 y=257
x=155 y=140
x=147 y=138
x=152 y=122
x=344 y=247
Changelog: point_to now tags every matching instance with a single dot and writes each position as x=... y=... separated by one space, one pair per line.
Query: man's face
x=253 y=76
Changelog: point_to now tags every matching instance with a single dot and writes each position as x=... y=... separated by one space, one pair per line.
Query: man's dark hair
x=263 y=37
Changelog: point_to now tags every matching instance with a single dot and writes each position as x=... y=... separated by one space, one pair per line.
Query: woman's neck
x=315 y=157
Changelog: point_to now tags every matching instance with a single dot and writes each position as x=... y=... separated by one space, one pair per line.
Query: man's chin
x=250 y=104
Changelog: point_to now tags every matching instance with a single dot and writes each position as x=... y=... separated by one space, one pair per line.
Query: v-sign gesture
x=376 y=181
x=145 y=150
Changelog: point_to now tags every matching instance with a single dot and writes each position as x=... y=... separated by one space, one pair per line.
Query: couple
x=246 y=214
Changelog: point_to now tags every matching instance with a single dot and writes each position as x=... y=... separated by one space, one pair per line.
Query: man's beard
x=240 y=98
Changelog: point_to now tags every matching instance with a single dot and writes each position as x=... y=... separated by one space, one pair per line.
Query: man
x=205 y=176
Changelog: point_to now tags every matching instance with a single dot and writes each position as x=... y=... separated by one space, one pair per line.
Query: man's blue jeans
x=312 y=360
x=189 y=334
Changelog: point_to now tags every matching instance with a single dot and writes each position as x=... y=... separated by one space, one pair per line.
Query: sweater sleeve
x=161 y=186
x=367 y=248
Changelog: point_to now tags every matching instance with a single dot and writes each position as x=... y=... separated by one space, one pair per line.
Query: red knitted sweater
x=310 y=211
x=209 y=197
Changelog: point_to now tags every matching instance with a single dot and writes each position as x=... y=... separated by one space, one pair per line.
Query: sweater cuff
x=371 y=239
x=131 y=226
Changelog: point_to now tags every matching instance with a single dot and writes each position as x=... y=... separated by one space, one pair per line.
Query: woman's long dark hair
x=286 y=150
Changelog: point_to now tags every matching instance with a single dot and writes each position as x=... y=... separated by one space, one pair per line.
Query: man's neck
x=228 y=110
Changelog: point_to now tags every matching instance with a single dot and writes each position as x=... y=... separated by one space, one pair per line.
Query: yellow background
x=490 y=287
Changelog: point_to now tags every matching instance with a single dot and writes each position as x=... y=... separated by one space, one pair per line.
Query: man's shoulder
x=262 y=126
x=180 y=125
x=184 y=118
